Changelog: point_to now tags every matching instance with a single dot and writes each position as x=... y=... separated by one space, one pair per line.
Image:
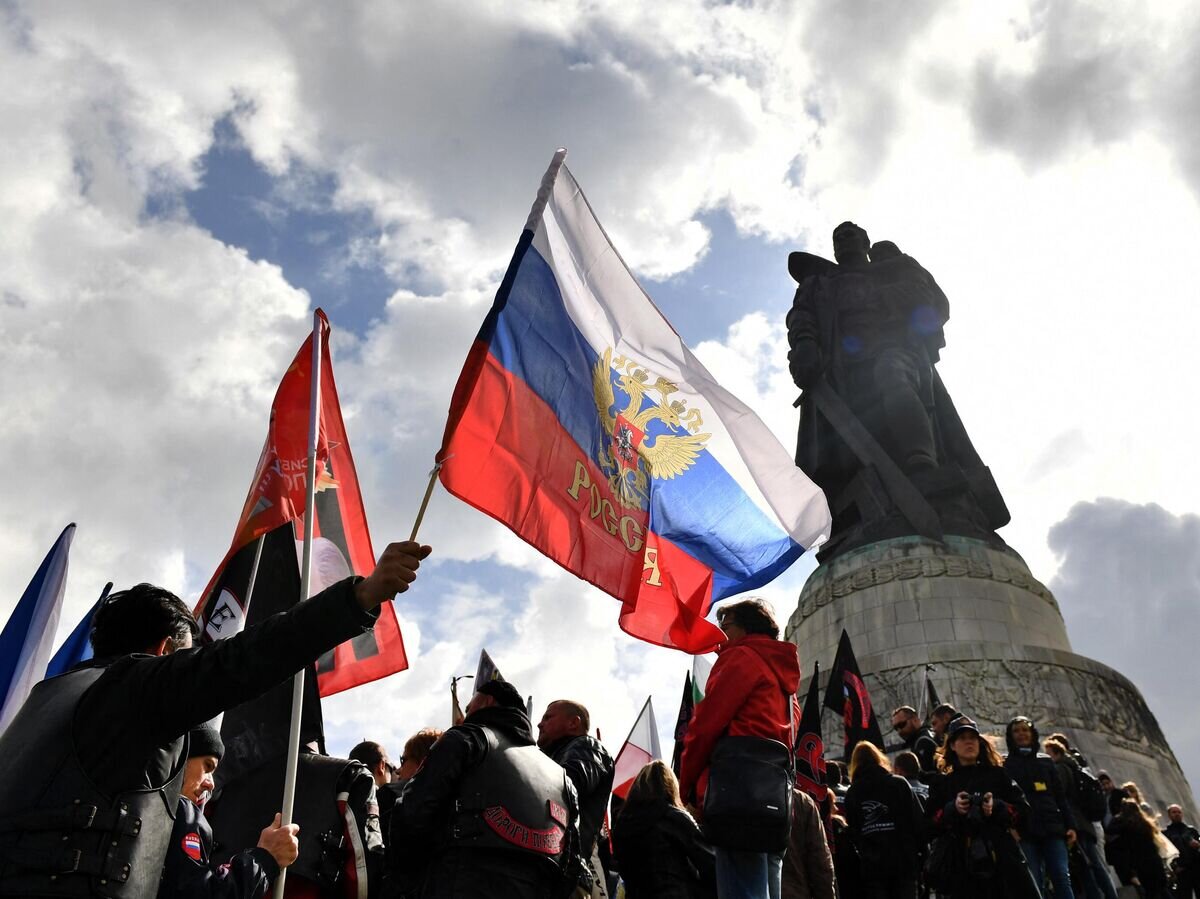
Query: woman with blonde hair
x=1134 y=847
x=886 y=826
x=660 y=851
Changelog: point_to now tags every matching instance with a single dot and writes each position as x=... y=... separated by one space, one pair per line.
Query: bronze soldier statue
x=878 y=431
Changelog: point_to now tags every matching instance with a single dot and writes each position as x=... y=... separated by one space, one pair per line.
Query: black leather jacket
x=591 y=770
x=426 y=860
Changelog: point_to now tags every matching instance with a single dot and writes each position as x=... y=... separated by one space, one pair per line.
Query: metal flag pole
x=314 y=423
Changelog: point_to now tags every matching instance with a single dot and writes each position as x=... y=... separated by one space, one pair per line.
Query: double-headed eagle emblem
x=648 y=437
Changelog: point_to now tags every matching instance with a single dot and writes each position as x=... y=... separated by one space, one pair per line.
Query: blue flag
x=29 y=634
x=78 y=645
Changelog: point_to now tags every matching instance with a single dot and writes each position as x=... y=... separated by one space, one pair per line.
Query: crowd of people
x=108 y=768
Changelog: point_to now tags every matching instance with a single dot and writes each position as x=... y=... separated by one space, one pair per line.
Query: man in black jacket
x=563 y=735
x=917 y=736
x=1050 y=827
x=94 y=760
x=189 y=872
x=1187 y=840
x=486 y=814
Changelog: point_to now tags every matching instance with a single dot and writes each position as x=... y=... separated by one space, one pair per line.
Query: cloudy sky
x=181 y=185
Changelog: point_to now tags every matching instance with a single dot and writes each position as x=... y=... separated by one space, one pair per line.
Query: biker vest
x=60 y=836
x=515 y=800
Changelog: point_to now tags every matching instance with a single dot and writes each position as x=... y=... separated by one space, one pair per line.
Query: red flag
x=342 y=542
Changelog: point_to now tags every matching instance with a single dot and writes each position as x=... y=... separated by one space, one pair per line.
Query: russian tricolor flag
x=583 y=422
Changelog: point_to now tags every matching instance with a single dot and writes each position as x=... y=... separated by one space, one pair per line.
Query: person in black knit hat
x=188 y=872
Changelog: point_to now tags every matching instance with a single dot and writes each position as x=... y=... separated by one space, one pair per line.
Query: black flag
x=848 y=694
x=931 y=695
x=257 y=731
x=810 y=746
x=686 y=706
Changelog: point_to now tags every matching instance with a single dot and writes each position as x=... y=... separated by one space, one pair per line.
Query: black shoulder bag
x=748 y=803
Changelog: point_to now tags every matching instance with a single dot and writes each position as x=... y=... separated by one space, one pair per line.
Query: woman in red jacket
x=749 y=690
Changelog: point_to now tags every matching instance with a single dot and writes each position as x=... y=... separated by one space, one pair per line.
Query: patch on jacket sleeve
x=191 y=846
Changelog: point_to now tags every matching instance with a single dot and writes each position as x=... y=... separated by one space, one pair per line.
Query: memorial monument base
x=999 y=647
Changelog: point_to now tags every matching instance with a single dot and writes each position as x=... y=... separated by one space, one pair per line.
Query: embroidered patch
x=557 y=812
x=544 y=842
x=1039 y=786
x=191 y=846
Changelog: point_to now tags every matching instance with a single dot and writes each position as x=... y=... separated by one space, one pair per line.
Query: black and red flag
x=810 y=745
x=848 y=694
x=341 y=540
x=687 y=705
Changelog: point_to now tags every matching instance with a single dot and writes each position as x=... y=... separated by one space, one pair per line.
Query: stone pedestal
x=997 y=640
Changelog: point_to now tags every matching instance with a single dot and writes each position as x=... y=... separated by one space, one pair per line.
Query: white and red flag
x=640 y=749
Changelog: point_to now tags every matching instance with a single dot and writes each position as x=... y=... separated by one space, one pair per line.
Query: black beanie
x=504 y=693
x=205 y=740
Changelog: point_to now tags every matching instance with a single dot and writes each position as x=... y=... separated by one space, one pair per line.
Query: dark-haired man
x=940 y=720
x=95 y=758
x=917 y=737
x=749 y=692
x=487 y=814
x=563 y=735
x=1186 y=839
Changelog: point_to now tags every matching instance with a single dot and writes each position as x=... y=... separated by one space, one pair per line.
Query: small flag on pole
x=848 y=695
x=28 y=635
x=486 y=671
x=639 y=749
x=931 y=694
x=583 y=422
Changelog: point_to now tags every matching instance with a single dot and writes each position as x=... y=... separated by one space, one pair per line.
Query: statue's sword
x=904 y=494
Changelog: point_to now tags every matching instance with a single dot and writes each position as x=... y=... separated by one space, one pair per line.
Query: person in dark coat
x=659 y=849
x=886 y=825
x=1187 y=840
x=563 y=735
x=808 y=865
x=189 y=872
x=112 y=732
x=973 y=805
x=1093 y=876
x=917 y=736
x=1050 y=827
x=487 y=814
x=1132 y=847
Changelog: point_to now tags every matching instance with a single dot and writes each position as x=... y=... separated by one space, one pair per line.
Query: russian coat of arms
x=650 y=435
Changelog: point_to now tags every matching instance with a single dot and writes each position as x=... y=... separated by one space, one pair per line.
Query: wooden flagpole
x=314 y=424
